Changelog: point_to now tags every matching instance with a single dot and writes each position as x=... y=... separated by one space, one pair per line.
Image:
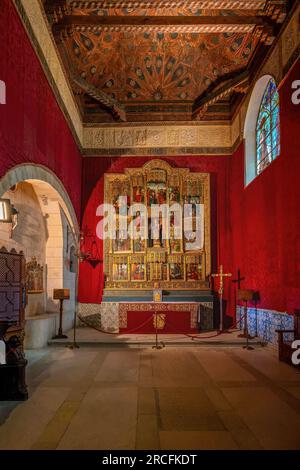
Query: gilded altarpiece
x=175 y=262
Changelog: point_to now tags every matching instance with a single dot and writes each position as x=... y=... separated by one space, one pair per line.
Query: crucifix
x=221 y=275
x=237 y=281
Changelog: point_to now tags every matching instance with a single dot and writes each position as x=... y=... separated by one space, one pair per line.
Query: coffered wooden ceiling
x=162 y=60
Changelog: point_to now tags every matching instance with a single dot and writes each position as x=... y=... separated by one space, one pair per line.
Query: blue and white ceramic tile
x=264 y=323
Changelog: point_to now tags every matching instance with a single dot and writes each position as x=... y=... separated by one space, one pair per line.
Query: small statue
x=157 y=292
x=14 y=354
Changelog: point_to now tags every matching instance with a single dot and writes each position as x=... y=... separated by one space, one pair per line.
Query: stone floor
x=201 y=397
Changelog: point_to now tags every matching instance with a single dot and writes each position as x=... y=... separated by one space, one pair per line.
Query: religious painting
x=193 y=272
x=138 y=272
x=174 y=195
x=176 y=271
x=175 y=245
x=175 y=242
x=156 y=193
x=138 y=241
x=122 y=244
x=191 y=242
x=138 y=245
x=137 y=222
x=138 y=194
x=119 y=189
x=34 y=277
x=155 y=233
x=190 y=209
x=192 y=192
x=120 y=272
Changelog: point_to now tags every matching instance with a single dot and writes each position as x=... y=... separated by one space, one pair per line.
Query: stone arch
x=62 y=233
x=29 y=171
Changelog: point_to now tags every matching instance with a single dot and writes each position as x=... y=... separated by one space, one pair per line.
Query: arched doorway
x=46 y=231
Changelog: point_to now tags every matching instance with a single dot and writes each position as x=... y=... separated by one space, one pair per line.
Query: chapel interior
x=150 y=336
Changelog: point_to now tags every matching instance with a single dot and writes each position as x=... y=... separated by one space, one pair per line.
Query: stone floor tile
x=201 y=440
x=106 y=419
x=147 y=435
x=274 y=424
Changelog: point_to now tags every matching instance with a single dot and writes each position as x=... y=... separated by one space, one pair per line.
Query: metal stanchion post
x=246 y=334
x=74 y=345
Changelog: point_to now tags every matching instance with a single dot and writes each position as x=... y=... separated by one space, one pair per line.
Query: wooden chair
x=285 y=349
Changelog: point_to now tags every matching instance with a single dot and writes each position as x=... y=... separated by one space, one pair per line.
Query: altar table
x=172 y=317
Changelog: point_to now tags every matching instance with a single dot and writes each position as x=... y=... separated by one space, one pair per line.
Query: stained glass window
x=268 y=128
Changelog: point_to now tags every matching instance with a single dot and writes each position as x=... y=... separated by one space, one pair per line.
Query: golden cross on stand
x=221 y=275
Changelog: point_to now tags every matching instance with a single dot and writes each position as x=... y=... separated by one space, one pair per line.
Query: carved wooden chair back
x=297 y=324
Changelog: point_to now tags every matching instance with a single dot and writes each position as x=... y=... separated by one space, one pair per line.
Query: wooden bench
x=285 y=349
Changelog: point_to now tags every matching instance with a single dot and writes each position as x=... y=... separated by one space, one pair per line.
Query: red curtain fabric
x=32 y=127
x=265 y=216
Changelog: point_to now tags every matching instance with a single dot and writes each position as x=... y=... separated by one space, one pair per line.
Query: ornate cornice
x=158 y=140
x=155 y=138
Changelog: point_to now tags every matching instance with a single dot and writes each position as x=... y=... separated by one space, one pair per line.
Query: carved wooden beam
x=240 y=84
x=113 y=105
x=184 y=24
x=202 y=4
x=126 y=20
x=56 y=10
x=277 y=10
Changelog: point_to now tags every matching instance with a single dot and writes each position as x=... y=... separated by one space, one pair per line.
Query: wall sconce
x=8 y=213
x=5 y=211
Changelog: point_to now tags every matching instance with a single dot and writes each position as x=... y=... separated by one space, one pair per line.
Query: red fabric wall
x=91 y=278
x=32 y=126
x=265 y=216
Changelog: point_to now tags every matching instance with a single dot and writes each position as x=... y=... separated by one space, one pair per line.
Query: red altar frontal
x=168 y=318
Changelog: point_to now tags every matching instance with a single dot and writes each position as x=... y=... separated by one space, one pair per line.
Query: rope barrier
x=214 y=335
x=191 y=336
x=110 y=333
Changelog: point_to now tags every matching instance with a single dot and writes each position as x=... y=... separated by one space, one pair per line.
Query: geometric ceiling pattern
x=155 y=61
x=157 y=67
